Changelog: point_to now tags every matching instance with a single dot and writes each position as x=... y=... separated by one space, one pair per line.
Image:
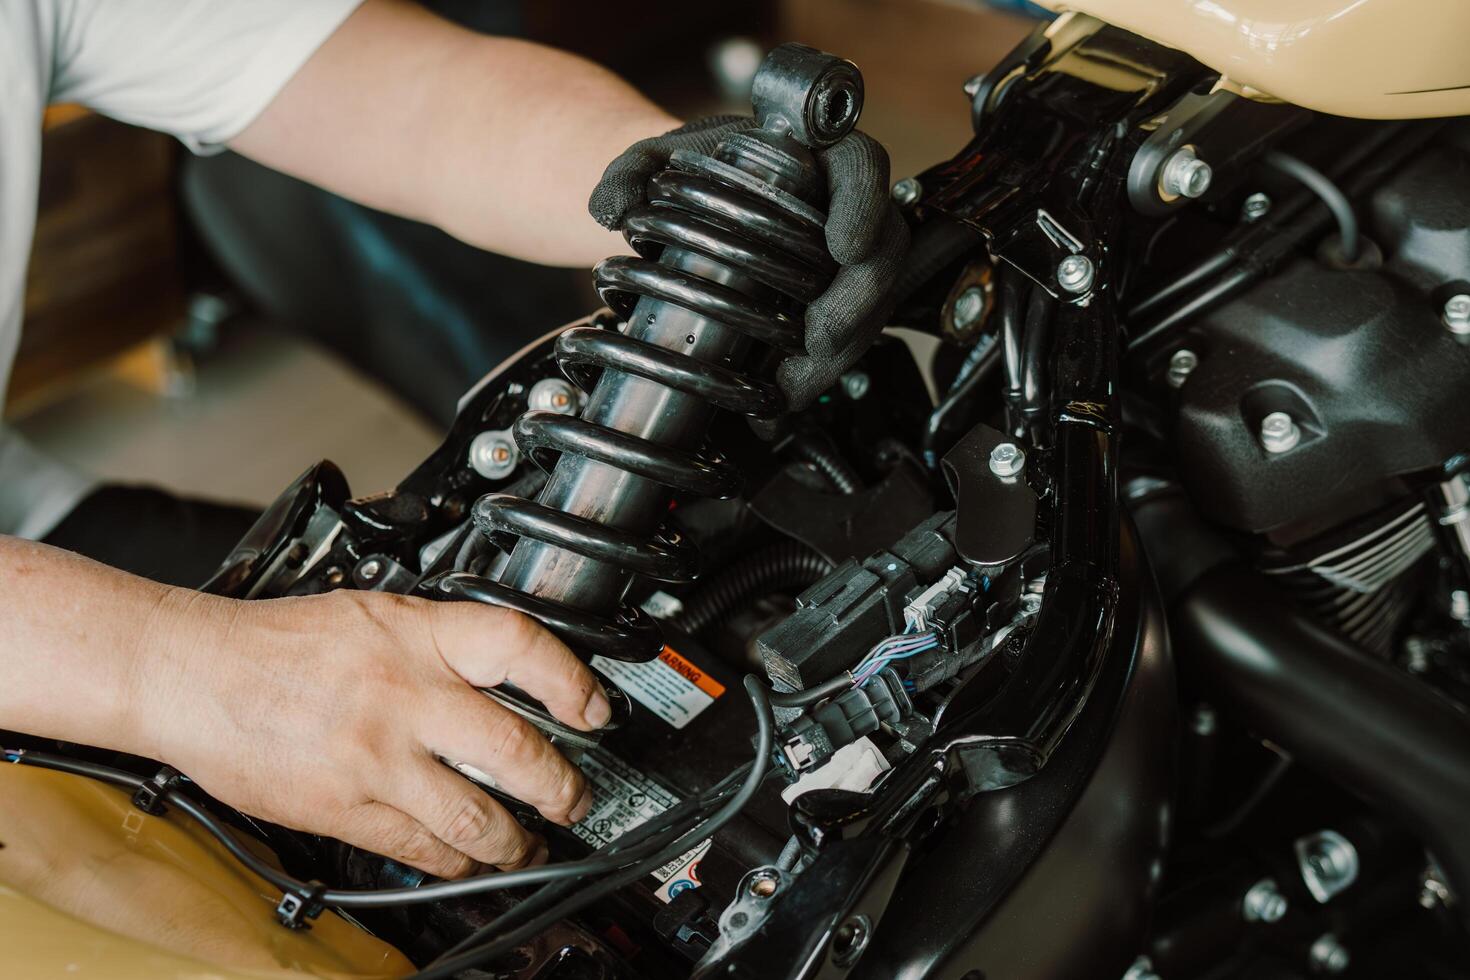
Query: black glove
x=865 y=235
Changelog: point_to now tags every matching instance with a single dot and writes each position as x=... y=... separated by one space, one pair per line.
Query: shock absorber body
x=730 y=249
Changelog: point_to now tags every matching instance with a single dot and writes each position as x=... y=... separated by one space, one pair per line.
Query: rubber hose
x=829 y=462
x=784 y=567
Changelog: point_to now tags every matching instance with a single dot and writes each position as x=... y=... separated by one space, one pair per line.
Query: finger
x=392 y=833
x=464 y=817
x=624 y=183
x=857 y=190
x=473 y=729
x=845 y=320
x=489 y=647
x=858 y=294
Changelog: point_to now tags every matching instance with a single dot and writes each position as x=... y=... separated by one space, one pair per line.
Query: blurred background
x=210 y=326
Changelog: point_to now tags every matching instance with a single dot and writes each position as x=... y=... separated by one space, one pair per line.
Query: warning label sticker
x=623 y=798
x=671 y=687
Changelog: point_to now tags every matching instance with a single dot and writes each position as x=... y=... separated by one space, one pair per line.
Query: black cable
x=1032 y=400
x=828 y=462
x=634 y=844
x=1332 y=196
x=448 y=966
x=601 y=862
x=1252 y=250
x=800 y=699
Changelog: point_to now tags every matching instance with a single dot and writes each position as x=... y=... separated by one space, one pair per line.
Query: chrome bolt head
x=494 y=454
x=1141 y=969
x=1181 y=365
x=553 y=395
x=1255 y=207
x=370 y=569
x=1263 y=902
x=1328 y=863
x=973 y=83
x=906 y=192
x=968 y=306
x=1075 y=273
x=1007 y=460
x=856 y=384
x=1279 y=433
x=1456 y=316
x=1203 y=721
x=1329 y=955
x=1184 y=174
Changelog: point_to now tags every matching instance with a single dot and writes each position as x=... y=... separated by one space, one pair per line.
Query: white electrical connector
x=918 y=614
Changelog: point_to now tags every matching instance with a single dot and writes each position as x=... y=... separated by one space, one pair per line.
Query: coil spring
x=704 y=206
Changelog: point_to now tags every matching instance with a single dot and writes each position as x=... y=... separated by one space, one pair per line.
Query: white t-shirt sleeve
x=201 y=70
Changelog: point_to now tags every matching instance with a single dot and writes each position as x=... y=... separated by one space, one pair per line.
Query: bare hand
x=329 y=714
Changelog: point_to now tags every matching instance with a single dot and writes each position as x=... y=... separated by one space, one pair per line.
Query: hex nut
x=1007 y=460
x=1279 y=433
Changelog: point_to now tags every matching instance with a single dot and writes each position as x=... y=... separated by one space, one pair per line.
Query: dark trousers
x=152 y=533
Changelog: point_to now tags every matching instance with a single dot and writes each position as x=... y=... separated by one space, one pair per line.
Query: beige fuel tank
x=1375 y=59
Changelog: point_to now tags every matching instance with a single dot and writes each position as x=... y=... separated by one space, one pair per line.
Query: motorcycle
x=1142 y=649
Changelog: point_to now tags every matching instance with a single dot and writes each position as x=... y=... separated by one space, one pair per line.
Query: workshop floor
x=264 y=409
x=271 y=405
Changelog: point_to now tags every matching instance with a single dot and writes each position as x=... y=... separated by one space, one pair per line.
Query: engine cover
x=1358 y=357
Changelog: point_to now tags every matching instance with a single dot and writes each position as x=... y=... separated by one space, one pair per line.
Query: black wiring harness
x=564 y=889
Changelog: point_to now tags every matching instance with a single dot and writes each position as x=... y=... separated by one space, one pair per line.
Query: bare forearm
x=72 y=637
x=497 y=141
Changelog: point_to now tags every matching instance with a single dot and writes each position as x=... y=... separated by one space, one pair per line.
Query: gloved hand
x=865 y=235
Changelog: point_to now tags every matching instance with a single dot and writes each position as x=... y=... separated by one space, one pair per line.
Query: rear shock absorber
x=731 y=249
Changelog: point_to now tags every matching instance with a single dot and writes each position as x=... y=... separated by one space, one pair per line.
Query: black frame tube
x=1378 y=732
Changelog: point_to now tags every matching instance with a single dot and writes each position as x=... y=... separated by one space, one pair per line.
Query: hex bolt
x=1279 y=433
x=1328 y=863
x=856 y=384
x=1180 y=367
x=1456 y=317
x=1074 y=273
x=370 y=569
x=1255 y=207
x=1184 y=174
x=494 y=455
x=1141 y=969
x=1416 y=655
x=1328 y=954
x=906 y=192
x=968 y=306
x=1263 y=902
x=1007 y=460
x=553 y=395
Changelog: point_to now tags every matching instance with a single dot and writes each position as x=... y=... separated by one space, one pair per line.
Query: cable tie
x=300 y=905
x=151 y=794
